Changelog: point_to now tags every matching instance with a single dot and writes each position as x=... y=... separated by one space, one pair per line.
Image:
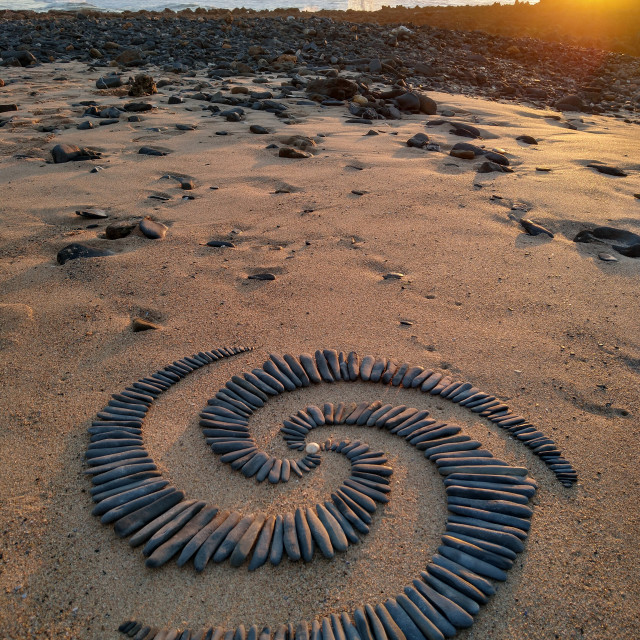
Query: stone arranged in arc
x=487 y=498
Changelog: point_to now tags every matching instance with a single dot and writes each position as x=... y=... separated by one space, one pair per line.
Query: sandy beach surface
x=543 y=323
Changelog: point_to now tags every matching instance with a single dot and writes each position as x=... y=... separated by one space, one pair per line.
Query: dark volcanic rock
x=4 y=108
x=109 y=82
x=74 y=251
x=419 y=140
x=336 y=88
x=569 y=103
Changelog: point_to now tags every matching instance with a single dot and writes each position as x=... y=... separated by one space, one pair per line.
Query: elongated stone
x=181 y=537
x=115 y=465
x=465 y=445
x=263 y=544
x=136 y=520
x=323 y=367
x=167 y=531
x=232 y=539
x=129 y=496
x=327 y=631
x=392 y=630
x=373 y=494
x=245 y=544
x=198 y=539
x=290 y=538
x=470 y=477
x=337 y=537
x=455 y=614
x=303 y=532
x=376 y=469
x=404 y=621
x=489 y=470
x=355 y=521
x=276 y=549
x=463 y=601
x=458 y=544
x=337 y=628
x=423 y=441
x=456 y=582
x=362 y=625
x=368 y=412
x=485 y=494
x=375 y=624
x=345 y=525
x=350 y=630
x=103 y=495
x=474 y=579
x=319 y=533
x=484 y=524
x=265 y=469
x=427 y=609
x=497 y=506
x=496 y=537
x=362 y=513
x=213 y=542
x=472 y=563
x=431 y=382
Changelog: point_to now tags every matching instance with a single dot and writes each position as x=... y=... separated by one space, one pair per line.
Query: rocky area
x=502 y=68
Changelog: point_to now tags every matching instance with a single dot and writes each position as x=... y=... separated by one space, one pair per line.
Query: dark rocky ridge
x=498 y=67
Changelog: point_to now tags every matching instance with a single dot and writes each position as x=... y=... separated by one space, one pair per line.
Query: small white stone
x=312 y=447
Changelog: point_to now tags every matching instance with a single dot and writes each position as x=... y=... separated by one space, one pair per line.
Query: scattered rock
x=256 y=128
x=71 y=153
x=119 y=229
x=221 y=244
x=534 y=229
x=289 y=152
x=109 y=82
x=175 y=100
x=527 y=139
x=150 y=151
x=462 y=154
x=92 y=213
x=186 y=127
x=606 y=169
x=419 y=141
x=152 y=229
x=607 y=257
x=187 y=184
x=491 y=167
x=569 y=103
x=261 y=276
x=74 y=251
x=393 y=275
x=142 y=85
x=4 y=108
x=130 y=58
x=140 y=324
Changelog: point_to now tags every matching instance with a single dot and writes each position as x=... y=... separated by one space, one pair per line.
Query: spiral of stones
x=487 y=498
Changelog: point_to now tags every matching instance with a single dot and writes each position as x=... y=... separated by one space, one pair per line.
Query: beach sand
x=541 y=323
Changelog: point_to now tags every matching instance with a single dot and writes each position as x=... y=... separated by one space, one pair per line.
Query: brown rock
x=129 y=57
x=1 y=82
x=95 y=53
x=8 y=107
x=462 y=154
x=142 y=85
x=427 y=105
x=288 y=152
x=140 y=324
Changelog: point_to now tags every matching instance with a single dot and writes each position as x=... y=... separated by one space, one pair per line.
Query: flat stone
x=152 y=229
x=74 y=251
x=261 y=276
x=290 y=152
x=140 y=324
x=62 y=153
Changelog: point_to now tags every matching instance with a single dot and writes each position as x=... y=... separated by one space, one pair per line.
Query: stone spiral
x=487 y=498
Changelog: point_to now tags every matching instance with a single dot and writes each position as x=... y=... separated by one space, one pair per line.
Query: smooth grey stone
x=368 y=412
x=454 y=613
x=285 y=369
x=239 y=457
x=277 y=542
x=263 y=544
x=269 y=380
x=329 y=413
x=378 y=368
x=332 y=358
x=302 y=631
x=389 y=371
x=319 y=533
x=373 y=494
x=167 y=531
x=290 y=538
x=275 y=472
x=497 y=506
x=392 y=413
x=181 y=537
x=346 y=527
x=275 y=372
x=431 y=382
x=303 y=532
x=353 y=365
x=404 y=621
x=247 y=541
x=232 y=539
x=485 y=494
x=128 y=496
x=362 y=625
x=392 y=630
x=366 y=367
x=490 y=516
x=121 y=472
x=362 y=513
x=392 y=422
x=350 y=631
x=379 y=413
x=286 y=470
x=211 y=544
x=308 y=363
x=423 y=441
x=136 y=520
x=475 y=580
x=466 y=445
x=506 y=540
x=376 y=469
x=265 y=469
x=472 y=563
x=499 y=561
x=484 y=524
x=323 y=367
x=121 y=482
x=297 y=368
x=103 y=495
x=245 y=395
x=336 y=627
x=470 y=605
x=260 y=384
x=198 y=539
x=349 y=514
x=240 y=633
x=317 y=415
x=337 y=536
x=426 y=609
x=399 y=374
x=327 y=631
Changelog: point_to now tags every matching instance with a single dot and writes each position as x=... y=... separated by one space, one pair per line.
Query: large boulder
x=569 y=103
x=336 y=88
